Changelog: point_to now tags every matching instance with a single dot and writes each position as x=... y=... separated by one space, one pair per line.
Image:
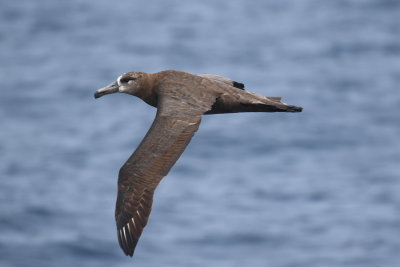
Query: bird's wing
x=222 y=79
x=175 y=124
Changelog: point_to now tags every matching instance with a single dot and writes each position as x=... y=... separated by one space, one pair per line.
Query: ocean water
x=317 y=189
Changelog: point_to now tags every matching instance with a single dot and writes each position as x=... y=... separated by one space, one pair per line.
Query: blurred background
x=319 y=188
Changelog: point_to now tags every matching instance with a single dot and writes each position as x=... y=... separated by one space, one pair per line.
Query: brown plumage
x=181 y=98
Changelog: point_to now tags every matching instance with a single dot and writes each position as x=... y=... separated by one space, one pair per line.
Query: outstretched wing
x=222 y=79
x=175 y=124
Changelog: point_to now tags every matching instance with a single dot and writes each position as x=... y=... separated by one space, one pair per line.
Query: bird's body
x=180 y=98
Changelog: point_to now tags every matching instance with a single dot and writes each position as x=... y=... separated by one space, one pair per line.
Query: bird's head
x=128 y=83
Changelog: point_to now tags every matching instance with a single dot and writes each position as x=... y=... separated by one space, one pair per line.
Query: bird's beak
x=109 y=89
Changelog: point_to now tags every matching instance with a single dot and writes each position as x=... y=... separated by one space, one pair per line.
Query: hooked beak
x=109 y=89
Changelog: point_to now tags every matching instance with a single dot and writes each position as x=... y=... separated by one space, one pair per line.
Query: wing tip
x=126 y=241
x=238 y=85
x=294 y=109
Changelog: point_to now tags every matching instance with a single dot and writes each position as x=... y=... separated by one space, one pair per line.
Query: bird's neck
x=147 y=92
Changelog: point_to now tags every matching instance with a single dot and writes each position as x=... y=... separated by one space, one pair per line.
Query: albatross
x=181 y=99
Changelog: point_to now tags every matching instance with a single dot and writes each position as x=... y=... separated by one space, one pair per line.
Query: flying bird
x=181 y=99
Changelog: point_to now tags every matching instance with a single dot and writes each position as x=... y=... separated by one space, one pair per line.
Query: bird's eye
x=127 y=79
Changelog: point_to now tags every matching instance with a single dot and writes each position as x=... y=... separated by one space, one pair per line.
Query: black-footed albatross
x=180 y=98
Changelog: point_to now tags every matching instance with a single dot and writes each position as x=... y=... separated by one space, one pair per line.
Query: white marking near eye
x=119 y=80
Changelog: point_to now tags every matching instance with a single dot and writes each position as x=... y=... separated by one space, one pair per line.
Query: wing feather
x=170 y=133
x=223 y=80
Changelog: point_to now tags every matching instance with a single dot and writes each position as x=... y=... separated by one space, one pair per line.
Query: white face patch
x=119 y=80
x=121 y=88
x=127 y=84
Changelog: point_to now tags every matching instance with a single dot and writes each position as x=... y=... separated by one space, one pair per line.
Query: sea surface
x=316 y=189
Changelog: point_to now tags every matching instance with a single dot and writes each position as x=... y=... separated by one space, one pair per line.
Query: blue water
x=317 y=189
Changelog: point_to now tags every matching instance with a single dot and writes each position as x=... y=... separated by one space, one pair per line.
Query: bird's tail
x=245 y=101
x=272 y=104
